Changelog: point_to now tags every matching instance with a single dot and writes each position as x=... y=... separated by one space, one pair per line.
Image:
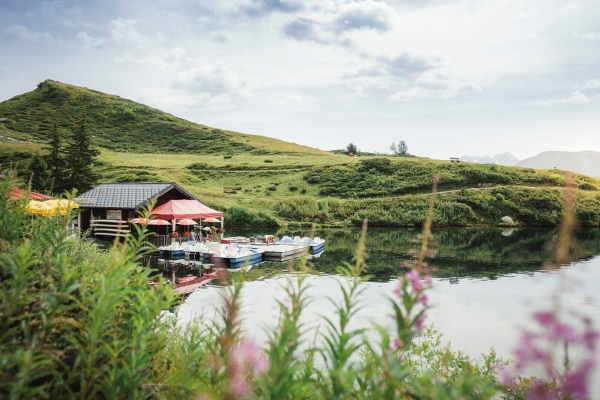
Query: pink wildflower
x=404 y=265
x=398 y=343
x=538 y=391
x=398 y=289
x=576 y=382
x=527 y=351
x=415 y=280
x=419 y=322
x=238 y=386
x=428 y=281
x=545 y=318
x=590 y=338
x=249 y=355
x=423 y=299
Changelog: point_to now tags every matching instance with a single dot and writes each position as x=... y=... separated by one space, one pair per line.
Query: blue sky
x=450 y=77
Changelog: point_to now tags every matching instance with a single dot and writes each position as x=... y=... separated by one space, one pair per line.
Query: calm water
x=486 y=284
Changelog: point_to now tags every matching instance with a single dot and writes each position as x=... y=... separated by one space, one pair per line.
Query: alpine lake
x=487 y=283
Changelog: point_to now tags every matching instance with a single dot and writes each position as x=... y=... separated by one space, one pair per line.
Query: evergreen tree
x=351 y=148
x=41 y=178
x=402 y=148
x=80 y=160
x=55 y=161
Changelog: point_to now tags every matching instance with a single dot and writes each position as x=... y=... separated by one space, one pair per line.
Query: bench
x=454 y=159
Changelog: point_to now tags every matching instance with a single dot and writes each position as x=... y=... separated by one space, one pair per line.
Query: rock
x=507 y=220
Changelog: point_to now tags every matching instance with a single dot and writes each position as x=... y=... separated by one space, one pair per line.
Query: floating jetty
x=233 y=254
x=281 y=252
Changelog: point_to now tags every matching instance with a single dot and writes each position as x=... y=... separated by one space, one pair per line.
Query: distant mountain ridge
x=501 y=159
x=583 y=162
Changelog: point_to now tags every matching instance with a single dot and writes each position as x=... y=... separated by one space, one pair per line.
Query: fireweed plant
x=556 y=334
x=79 y=322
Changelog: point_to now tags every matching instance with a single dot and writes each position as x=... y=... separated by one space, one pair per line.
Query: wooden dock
x=281 y=252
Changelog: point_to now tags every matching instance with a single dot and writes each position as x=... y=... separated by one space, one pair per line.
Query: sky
x=449 y=77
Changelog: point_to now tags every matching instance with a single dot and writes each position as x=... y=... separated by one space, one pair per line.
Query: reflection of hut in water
x=107 y=207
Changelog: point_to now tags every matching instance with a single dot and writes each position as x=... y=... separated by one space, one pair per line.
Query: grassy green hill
x=123 y=125
x=261 y=181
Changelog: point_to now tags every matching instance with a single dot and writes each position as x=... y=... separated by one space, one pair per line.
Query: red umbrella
x=159 y=222
x=186 y=222
x=211 y=219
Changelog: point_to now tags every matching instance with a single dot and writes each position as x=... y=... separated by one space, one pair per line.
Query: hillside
x=123 y=125
x=583 y=162
x=263 y=182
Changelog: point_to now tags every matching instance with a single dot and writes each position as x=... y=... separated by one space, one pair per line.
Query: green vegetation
x=80 y=157
x=41 y=179
x=293 y=185
x=123 y=125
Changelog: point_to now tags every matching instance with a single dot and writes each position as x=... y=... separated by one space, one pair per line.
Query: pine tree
x=41 y=178
x=55 y=161
x=80 y=160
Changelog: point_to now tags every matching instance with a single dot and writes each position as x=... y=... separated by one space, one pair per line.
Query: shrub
x=198 y=166
x=76 y=322
x=268 y=161
x=238 y=216
x=227 y=156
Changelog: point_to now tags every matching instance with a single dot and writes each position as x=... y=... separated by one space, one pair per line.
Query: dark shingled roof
x=125 y=195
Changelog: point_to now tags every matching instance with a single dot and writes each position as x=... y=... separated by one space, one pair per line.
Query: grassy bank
x=285 y=190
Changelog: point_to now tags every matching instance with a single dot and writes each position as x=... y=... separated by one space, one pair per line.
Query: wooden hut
x=107 y=207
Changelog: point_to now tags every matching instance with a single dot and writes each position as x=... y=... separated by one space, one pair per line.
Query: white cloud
x=593 y=36
x=443 y=92
x=592 y=84
x=158 y=58
x=213 y=80
x=576 y=98
x=22 y=33
x=220 y=36
x=177 y=101
x=291 y=100
x=329 y=24
x=124 y=32
x=88 y=41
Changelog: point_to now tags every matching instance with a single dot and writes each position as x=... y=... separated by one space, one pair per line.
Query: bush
x=76 y=322
x=227 y=157
x=198 y=166
x=268 y=161
x=238 y=216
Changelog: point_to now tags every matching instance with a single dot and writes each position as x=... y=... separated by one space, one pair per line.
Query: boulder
x=507 y=220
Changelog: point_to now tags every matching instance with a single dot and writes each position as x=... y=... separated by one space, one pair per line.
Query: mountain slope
x=583 y=162
x=123 y=125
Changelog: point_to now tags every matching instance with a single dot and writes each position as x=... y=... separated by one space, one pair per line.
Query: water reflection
x=462 y=253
